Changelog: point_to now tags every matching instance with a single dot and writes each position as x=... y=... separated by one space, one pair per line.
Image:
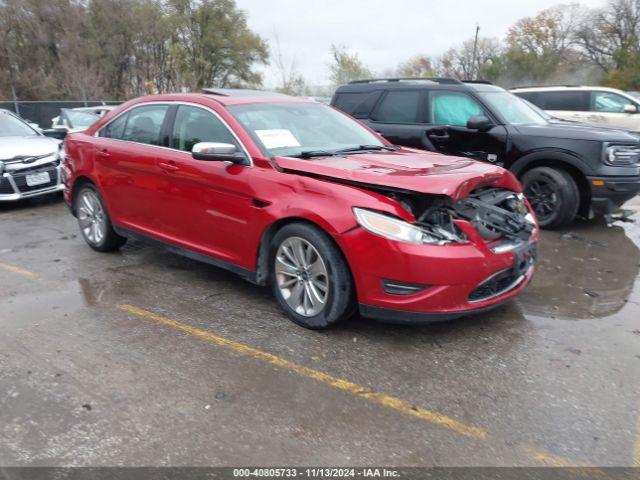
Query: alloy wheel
x=91 y=217
x=542 y=197
x=301 y=276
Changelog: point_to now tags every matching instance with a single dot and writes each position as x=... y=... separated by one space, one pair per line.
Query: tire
x=94 y=221
x=553 y=194
x=291 y=281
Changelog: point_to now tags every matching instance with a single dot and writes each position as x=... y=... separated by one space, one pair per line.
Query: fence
x=41 y=112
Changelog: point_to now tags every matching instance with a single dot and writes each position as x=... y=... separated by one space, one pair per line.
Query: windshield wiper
x=361 y=148
x=314 y=153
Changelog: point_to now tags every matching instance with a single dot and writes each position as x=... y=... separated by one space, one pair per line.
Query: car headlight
x=622 y=154
x=394 y=228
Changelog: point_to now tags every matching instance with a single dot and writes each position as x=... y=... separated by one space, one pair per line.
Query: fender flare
x=553 y=155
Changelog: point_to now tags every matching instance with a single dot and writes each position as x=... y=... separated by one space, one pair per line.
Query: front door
x=206 y=205
x=447 y=113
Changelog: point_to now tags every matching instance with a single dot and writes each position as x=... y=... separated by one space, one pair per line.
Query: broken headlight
x=396 y=229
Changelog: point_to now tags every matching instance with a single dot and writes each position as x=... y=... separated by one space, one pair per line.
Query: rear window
x=399 y=107
x=565 y=100
x=347 y=102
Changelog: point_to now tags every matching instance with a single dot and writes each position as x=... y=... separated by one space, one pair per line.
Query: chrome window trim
x=169 y=104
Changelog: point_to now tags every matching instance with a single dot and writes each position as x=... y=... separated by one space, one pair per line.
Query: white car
x=29 y=161
x=599 y=105
x=79 y=119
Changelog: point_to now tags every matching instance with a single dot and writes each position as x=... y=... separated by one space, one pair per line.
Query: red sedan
x=294 y=194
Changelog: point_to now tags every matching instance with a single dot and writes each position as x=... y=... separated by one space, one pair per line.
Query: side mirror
x=55 y=133
x=629 y=108
x=479 y=122
x=222 y=152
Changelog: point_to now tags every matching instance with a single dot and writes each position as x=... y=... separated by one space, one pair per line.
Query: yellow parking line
x=18 y=270
x=340 y=384
x=636 y=446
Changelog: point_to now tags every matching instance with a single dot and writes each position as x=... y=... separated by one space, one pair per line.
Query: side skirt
x=242 y=272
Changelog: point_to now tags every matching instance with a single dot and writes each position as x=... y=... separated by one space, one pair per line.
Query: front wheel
x=94 y=222
x=553 y=195
x=309 y=277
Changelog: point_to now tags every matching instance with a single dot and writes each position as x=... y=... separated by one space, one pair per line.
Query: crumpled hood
x=411 y=170
x=32 y=146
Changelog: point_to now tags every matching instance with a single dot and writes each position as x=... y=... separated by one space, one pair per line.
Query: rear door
x=397 y=117
x=125 y=158
x=204 y=205
x=447 y=113
x=567 y=104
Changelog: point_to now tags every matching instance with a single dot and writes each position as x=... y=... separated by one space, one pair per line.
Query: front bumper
x=454 y=276
x=13 y=184
x=609 y=193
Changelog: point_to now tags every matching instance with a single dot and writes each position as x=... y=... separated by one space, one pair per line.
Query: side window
x=357 y=105
x=398 y=107
x=193 y=125
x=144 y=124
x=608 y=102
x=569 y=100
x=114 y=129
x=452 y=108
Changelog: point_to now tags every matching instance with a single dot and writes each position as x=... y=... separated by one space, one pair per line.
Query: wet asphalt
x=142 y=357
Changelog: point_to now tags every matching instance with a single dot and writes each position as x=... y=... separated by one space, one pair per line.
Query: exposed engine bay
x=494 y=212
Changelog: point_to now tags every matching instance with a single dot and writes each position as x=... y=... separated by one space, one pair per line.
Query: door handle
x=441 y=137
x=103 y=153
x=168 y=167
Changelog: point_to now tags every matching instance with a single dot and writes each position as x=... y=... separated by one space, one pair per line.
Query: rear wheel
x=94 y=222
x=309 y=277
x=553 y=195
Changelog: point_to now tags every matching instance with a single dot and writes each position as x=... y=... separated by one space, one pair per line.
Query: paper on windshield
x=277 y=138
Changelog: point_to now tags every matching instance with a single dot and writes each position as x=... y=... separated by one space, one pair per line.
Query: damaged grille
x=496 y=285
x=496 y=213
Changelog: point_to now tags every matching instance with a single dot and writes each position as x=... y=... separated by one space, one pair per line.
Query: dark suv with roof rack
x=567 y=169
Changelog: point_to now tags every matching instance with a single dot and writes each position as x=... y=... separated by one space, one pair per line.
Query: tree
x=418 y=66
x=291 y=81
x=609 y=37
x=346 y=66
x=215 y=46
x=458 y=62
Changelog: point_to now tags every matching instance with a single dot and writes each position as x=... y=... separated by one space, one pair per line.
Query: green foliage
x=124 y=48
x=346 y=67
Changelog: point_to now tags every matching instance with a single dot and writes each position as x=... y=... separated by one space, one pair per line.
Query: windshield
x=512 y=109
x=289 y=129
x=10 y=126
x=79 y=119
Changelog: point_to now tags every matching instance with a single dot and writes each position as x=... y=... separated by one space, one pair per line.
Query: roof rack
x=482 y=82
x=441 y=80
x=544 y=86
x=240 y=92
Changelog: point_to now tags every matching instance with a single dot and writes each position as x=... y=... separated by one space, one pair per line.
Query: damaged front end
x=496 y=214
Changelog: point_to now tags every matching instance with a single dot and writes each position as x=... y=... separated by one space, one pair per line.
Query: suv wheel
x=94 y=222
x=309 y=277
x=553 y=194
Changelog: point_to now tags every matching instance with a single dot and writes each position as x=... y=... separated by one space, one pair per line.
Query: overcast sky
x=382 y=32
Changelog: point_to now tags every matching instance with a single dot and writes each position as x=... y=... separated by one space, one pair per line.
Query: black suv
x=566 y=168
